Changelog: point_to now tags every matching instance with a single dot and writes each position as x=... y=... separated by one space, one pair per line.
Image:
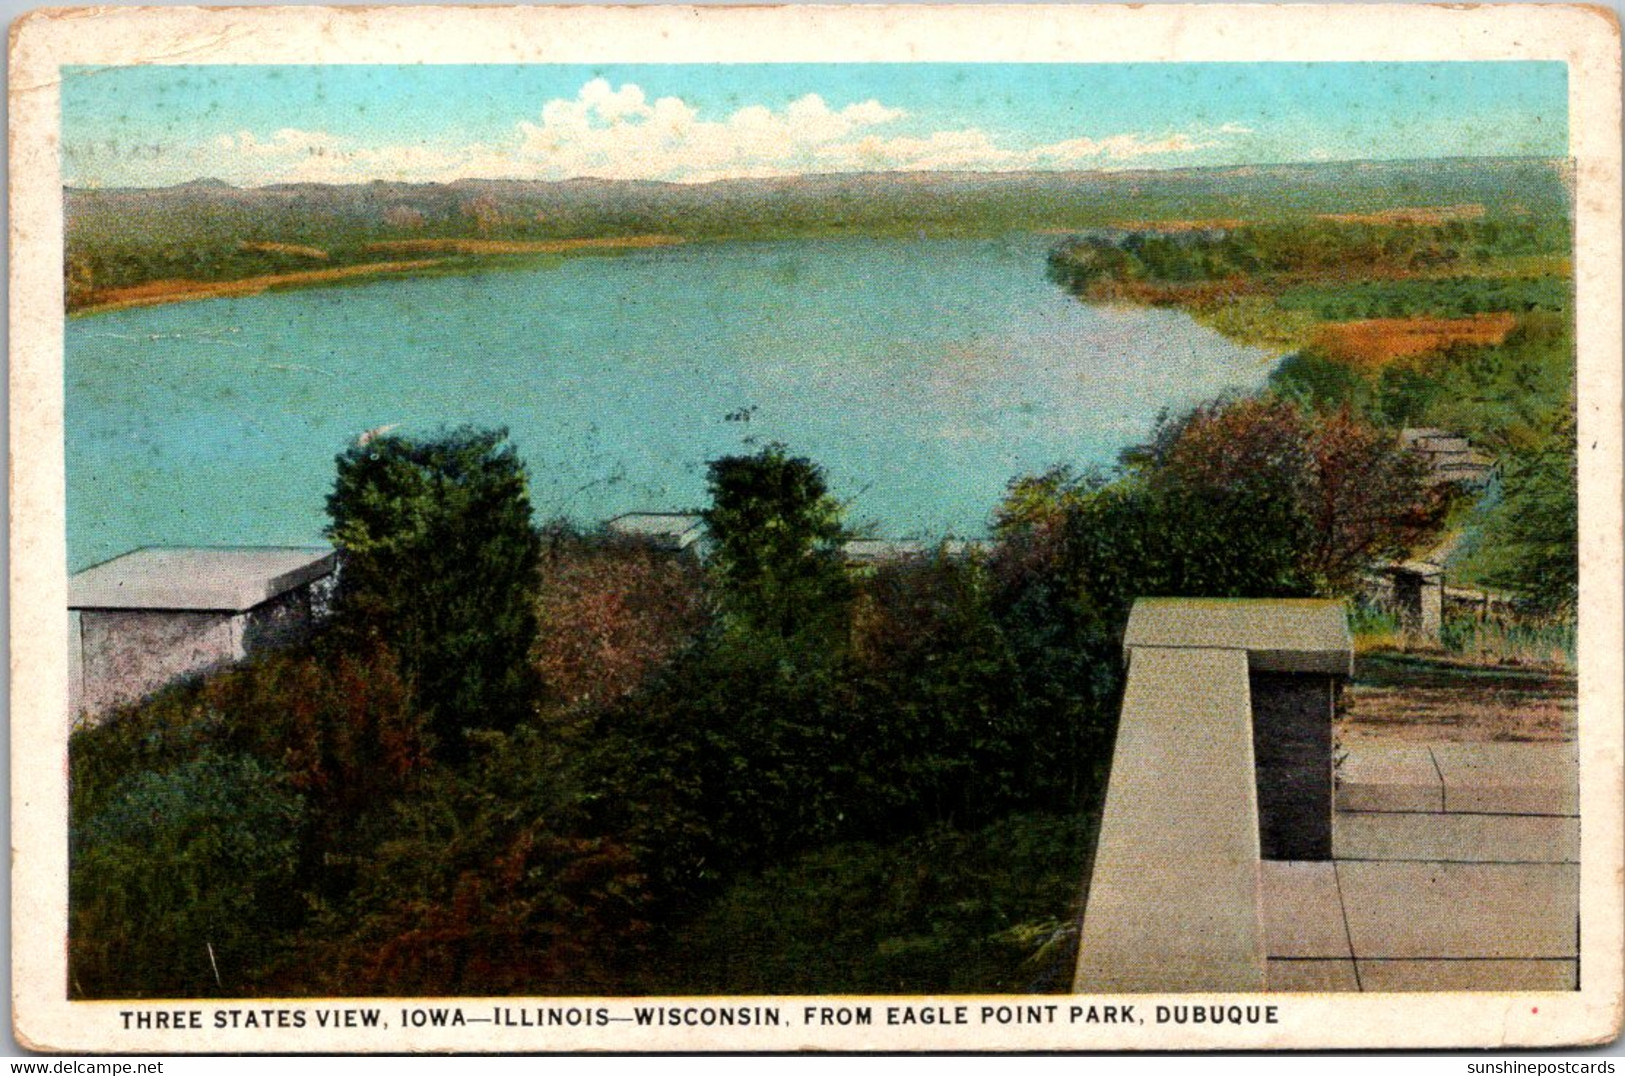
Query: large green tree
x=440 y=563
x=1271 y=490
x=776 y=543
x=1533 y=531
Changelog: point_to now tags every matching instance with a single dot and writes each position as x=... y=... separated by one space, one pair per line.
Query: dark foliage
x=947 y=911
x=1307 y=249
x=1450 y=298
x=178 y=878
x=439 y=563
x=330 y=731
x=776 y=544
x=483 y=882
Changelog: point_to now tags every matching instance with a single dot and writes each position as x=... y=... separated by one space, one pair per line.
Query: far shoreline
x=166 y=292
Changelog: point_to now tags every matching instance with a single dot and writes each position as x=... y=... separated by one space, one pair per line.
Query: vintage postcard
x=874 y=528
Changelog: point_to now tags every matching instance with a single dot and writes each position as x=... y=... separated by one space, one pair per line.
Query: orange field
x=1425 y=215
x=1379 y=341
x=512 y=246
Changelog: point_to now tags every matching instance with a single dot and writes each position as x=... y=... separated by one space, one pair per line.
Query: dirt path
x=1407 y=699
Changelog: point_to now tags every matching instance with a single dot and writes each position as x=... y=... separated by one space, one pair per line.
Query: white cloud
x=618 y=134
x=287 y=142
x=1119 y=147
x=614 y=132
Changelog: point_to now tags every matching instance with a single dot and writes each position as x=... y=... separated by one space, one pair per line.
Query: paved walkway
x=1455 y=867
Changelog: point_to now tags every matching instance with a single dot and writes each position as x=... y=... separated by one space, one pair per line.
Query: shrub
x=486 y=884
x=179 y=886
x=943 y=912
x=1327 y=494
x=613 y=614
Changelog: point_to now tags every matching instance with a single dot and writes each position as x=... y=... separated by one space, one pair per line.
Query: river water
x=923 y=374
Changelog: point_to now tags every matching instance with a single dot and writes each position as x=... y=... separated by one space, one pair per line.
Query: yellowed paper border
x=1584 y=38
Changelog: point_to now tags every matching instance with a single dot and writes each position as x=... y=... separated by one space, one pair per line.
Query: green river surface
x=923 y=374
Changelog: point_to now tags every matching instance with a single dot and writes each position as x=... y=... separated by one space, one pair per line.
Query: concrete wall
x=120 y=656
x=128 y=654
x=1174 y=901
x=76 y=665
x=278 y=622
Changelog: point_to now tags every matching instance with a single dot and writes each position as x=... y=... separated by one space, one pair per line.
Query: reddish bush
x=1360 y=495
x=612 y=614
x=342 y=726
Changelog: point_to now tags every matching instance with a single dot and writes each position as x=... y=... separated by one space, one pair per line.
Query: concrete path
x=1483 y=778
x=1455 y=867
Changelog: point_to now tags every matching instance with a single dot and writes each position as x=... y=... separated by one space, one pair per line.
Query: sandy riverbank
x=159 y=292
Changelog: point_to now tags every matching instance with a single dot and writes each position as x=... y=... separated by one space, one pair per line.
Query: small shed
x=1450 y=457
x=676 y=532
x=1417 y=596
x=153 y=616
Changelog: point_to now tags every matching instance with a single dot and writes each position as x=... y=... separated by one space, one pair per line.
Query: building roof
x=1423 y=569
x=877 y=550
x=1421 y=433
x=198 y=579
x=676 y=529
x=882 y=549
x=1307 y=635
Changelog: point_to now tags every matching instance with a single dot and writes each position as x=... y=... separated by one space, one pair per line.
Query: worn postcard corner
x=849 y=528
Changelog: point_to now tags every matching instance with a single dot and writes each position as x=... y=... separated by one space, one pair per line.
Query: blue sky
x=251 y=125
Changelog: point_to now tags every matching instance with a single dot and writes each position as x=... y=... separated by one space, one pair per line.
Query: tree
x=440 y=563
x=1534 y=531
x=777 y=536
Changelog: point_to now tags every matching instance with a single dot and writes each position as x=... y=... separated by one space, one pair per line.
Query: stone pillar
x=1223 y=758
x=1419 y=598
x=1430 y=620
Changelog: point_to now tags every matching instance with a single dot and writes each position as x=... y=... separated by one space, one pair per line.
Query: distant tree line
x=1096 y=263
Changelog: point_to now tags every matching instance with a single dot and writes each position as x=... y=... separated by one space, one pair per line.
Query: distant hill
x=209 y=230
